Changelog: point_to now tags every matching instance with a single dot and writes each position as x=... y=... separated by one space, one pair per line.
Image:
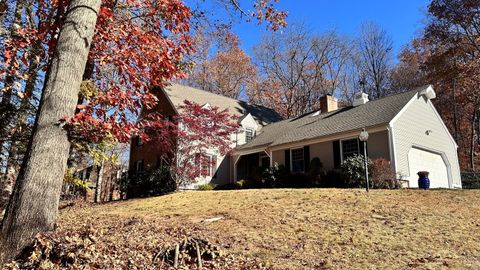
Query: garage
x=423 y=160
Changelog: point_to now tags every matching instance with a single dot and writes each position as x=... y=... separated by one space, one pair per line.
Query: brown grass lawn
x=299 y=228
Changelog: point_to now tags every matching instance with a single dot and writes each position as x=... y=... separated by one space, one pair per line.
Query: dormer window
x=249 y=134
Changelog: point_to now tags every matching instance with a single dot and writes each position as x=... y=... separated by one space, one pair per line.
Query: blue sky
x=402 y=19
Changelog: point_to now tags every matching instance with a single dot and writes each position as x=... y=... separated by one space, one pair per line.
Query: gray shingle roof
x=179 y=93
x=308 y=126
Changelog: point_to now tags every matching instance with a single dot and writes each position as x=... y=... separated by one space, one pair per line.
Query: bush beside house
x=471 y=180
x=351 y=175
x=148 y=183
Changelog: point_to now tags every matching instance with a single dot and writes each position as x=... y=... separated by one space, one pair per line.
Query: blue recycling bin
x=423 y=181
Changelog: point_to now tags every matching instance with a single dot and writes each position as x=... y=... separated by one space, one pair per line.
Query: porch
x=296 y=157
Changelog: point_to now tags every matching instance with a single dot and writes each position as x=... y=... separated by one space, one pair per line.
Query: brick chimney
x=328 y=103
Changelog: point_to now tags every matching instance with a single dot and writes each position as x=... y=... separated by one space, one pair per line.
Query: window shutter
x=198 y=165
x=287 y=159
x=361 y=148
x=336 y=155
x=214 y=166
x=306 y=157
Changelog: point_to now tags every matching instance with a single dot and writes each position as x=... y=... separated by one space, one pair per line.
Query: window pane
x=249 y=134
x=205 y=168
x=350 y=148
x=298 y=164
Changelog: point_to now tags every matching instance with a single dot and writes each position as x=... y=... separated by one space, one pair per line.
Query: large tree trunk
x=33 y=205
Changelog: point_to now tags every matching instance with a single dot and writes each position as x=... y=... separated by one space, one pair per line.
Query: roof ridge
x=416 y=90
x=219 y=95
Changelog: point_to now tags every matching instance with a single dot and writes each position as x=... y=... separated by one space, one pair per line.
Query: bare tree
x=297 y=68
x=375 y=48
x=33 y=205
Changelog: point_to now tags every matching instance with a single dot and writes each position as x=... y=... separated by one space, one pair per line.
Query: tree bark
x=33 y=206
x=472 y=142
x=98 y=188
x=455 y=111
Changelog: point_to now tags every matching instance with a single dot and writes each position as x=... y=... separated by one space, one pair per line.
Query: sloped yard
x=291 y=229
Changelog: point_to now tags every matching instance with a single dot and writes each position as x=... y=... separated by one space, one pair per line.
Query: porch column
x=235 y=161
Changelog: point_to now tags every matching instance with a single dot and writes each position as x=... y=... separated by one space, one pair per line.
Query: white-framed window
x=208 y=165
x=249 y=134
x=349 y=148
x=297 y=159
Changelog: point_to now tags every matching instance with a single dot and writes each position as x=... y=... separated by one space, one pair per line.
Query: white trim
x=431 y=150
x=428 y=92
x=271 y=158
x=341 y=146
x=403 y=110
x=249 y=151
x=235 y=161
x=252 y=118
x=392 y=149
x=443 y=123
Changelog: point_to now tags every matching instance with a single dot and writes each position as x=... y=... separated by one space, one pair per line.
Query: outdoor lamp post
x=364 y=137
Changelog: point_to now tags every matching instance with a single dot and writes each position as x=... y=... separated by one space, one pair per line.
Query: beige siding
x=378 y=145
x=279 y=157
x=410 y=129
x=324 y=151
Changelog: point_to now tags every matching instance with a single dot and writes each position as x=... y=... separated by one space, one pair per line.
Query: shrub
x=383 y=175
x=273 y=177
x=148 y=183
x=316 y=172
x=299 y=180
x=353 y=169
x=333 y=179
x=471 y=180
x=205 y=187
x=231 y=186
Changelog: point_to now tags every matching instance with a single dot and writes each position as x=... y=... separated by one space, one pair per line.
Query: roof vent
x=360 y=99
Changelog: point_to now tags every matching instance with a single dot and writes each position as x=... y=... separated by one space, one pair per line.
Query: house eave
x=331 y=137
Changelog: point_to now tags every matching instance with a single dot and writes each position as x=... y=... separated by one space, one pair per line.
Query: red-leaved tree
x=185 y=138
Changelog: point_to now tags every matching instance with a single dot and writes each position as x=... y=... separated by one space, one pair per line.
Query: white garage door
x=421 y=160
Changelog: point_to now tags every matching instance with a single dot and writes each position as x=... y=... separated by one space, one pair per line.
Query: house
x=405 y=129
x=252 y=118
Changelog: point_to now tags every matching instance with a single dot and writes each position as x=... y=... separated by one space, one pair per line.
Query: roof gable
x=178 y=93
